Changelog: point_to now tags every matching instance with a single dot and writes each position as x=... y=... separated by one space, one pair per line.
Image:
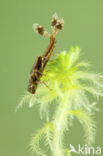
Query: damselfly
x=41 y=61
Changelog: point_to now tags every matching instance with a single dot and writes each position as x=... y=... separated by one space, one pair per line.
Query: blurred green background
x=19 y=46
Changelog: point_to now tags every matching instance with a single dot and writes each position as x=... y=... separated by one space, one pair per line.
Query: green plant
x=69 y=82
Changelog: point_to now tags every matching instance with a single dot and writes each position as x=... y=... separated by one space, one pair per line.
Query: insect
x=41 y=61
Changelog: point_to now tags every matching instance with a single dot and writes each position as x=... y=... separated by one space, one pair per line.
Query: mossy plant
x=69 y=81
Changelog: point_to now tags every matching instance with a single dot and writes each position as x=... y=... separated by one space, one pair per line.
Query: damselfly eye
x=31 y=88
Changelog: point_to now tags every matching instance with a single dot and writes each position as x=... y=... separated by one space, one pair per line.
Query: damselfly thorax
x=41 y=61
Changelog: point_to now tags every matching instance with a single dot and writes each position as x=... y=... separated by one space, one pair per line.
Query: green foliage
x=88 y=124
x=44 y=134
x=69 y=82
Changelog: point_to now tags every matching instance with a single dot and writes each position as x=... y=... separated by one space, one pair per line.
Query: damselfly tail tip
x=35 y=27
x=38 y=28
x=55 y=16
x=60 y=24
x=54 y=20
x=56 y=24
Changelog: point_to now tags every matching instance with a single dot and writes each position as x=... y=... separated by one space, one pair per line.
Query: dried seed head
x=54 y=20
x=38 y=28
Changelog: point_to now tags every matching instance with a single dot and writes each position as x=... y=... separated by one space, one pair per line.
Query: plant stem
x=60 y=124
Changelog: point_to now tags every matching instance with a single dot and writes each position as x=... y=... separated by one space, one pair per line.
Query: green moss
x=69 y=81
